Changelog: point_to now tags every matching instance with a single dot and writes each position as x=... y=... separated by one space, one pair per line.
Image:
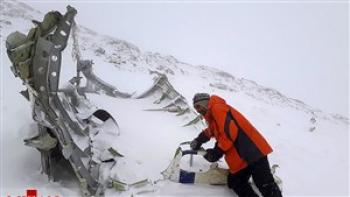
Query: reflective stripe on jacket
x=236 y=136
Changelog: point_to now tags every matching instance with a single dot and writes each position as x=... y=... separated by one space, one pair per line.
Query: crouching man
x=245 y=149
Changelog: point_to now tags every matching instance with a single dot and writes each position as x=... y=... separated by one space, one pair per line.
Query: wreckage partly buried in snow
x=73 y=129
x=69 y=125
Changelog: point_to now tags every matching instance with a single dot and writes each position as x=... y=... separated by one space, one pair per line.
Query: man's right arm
x=199 y=140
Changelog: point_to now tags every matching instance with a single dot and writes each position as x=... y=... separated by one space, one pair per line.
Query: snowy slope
x=313 y=155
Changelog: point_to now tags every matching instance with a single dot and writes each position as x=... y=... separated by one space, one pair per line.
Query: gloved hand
x=213 y=154
x=195 y=144
x=198 y=141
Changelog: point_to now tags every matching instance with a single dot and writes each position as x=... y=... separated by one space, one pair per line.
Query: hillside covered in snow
x=311 y=147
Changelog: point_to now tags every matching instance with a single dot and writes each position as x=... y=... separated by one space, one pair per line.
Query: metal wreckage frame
x=65 y=117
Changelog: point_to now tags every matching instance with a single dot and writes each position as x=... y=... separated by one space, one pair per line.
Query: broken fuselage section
x=70 y=127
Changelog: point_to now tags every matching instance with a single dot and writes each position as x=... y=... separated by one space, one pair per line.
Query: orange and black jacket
x=239 y=141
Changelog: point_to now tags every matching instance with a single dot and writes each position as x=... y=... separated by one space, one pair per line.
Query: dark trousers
x=262 y=177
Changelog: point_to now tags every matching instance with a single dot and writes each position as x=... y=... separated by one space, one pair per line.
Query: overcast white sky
x=298 y=48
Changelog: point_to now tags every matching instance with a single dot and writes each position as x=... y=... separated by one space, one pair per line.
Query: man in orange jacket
x=245 y=149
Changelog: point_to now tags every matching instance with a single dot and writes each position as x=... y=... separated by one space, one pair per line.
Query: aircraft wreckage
x=72 y=128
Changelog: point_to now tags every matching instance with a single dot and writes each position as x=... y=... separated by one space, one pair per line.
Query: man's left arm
x=214 y=154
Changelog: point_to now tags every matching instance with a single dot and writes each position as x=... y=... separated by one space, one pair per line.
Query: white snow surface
x=312 y=163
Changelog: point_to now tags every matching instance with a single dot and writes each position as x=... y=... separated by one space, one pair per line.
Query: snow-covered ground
x=312 y=163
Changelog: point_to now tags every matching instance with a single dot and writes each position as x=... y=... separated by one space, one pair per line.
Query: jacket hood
x=214 y=100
